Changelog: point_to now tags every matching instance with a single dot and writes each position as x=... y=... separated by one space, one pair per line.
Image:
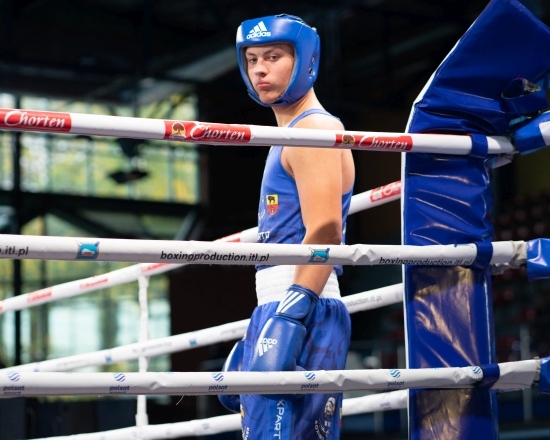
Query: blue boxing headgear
x=282 y=29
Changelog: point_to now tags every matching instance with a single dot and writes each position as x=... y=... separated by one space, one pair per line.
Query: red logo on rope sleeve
x=400 y=143
x=204 y=132
x=233 y=238
x=39 y=295
x=383 y=192
x=94 y=281
x=35 y=121
x=152 y=266
x=343 y=140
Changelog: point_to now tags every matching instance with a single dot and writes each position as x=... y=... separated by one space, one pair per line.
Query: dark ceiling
x=140 y=50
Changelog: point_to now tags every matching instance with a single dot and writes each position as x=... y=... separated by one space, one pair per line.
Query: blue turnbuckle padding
x=527 y=135
x=480 y=146
x=538 y=257
x=491 y=373
x=484 y=255
x=544 y=380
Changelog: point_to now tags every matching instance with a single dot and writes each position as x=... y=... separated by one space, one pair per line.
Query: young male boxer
x=300 y=322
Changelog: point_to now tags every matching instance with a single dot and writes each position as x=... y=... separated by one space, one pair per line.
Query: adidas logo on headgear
x=258 y=31
x=266 y=344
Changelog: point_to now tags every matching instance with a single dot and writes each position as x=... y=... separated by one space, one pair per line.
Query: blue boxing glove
x=280 y=342
x=234 y=362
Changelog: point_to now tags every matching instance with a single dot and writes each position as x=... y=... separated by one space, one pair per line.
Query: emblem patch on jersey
x=323 y=426
x=272 y=201
x=330 y=407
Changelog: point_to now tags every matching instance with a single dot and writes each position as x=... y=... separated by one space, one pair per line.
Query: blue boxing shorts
x=313 y=416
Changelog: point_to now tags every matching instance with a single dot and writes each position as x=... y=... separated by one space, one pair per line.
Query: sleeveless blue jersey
x=279 y=214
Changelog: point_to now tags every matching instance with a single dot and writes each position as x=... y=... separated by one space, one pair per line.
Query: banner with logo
x=233 y=134
x=200 y=252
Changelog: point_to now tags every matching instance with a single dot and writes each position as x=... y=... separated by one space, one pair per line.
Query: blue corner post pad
x=538 y=257
x=544 y=380
x=491 y=373
x=484 y=255
x=528 y=136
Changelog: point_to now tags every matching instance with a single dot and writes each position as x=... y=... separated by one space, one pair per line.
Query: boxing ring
x=31 y=379
x=24 y=379
x=447 y=255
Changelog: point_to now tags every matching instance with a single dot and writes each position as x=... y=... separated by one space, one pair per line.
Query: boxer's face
x=270 y=69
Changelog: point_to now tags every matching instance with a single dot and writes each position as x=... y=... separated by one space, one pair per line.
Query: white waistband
x=272 y=282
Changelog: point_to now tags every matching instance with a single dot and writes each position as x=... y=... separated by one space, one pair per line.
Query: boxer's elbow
x=328 y=232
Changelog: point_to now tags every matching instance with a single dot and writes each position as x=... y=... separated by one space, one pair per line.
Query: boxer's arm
x=320 y=182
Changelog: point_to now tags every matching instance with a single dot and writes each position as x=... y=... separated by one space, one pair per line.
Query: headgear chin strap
x=282 y=29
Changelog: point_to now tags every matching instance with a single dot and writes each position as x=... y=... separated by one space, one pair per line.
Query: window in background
x=94 y=321
x=82 y=165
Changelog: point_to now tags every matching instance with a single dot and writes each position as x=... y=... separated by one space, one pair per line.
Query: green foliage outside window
x=81 y=166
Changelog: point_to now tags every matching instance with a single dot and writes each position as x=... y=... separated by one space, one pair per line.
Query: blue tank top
x=279 y=214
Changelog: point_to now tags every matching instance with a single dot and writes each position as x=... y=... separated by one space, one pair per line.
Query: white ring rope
x=359 y=202
x=201 y=252
x=375 y=402
x=513 y=375
x=233 y=134
x=215 y=425
x=186 y=341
